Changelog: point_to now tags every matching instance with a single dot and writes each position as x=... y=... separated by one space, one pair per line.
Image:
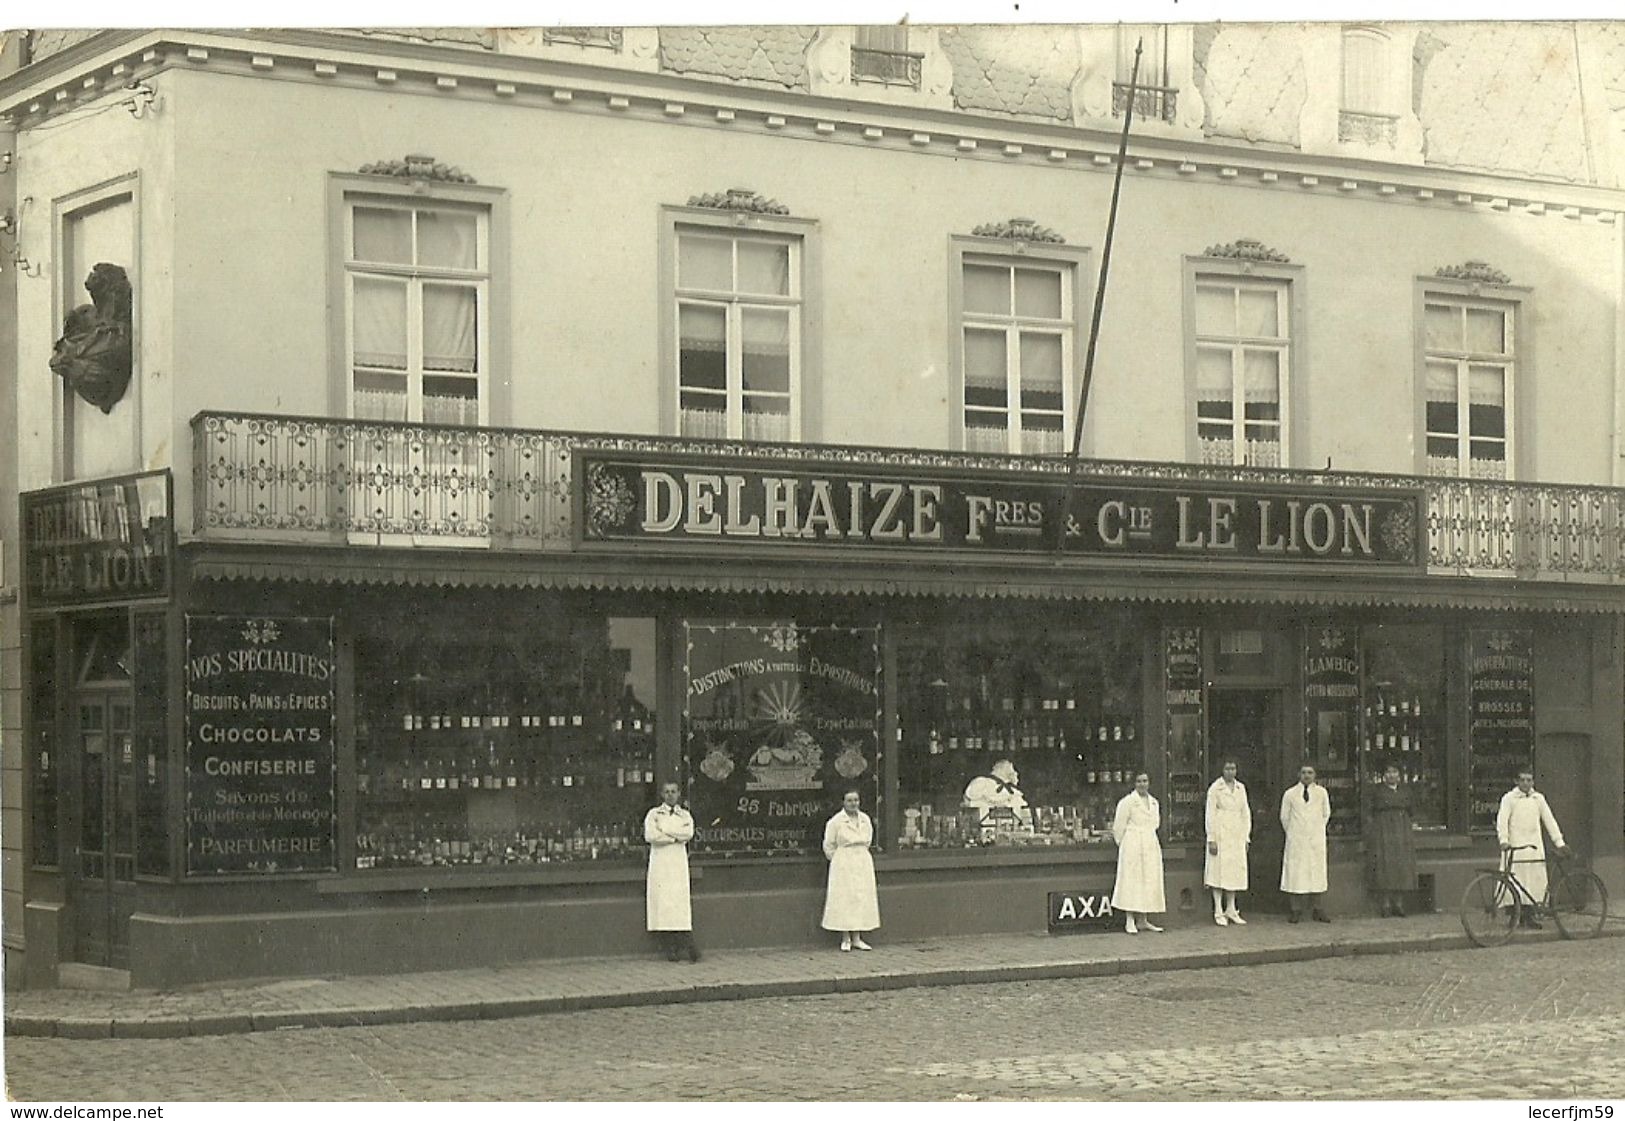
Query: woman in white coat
x=668 y=828
x=851 y=901
x=1229 y=832
x=1139 y=857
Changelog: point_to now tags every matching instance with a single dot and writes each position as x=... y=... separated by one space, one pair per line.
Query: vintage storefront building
x=454 y=502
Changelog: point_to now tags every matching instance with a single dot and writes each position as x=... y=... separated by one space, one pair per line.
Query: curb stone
x=421 y=1008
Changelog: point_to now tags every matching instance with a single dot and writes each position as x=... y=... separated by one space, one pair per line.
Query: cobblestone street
x=1526 y=1020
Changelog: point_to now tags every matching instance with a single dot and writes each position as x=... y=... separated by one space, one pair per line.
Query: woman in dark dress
x=1388 y=842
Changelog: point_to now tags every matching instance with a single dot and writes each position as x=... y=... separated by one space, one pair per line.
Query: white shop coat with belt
x=1519 y=823
x=668 y=830
x=851 y=901
x=1139 y=855
x=1230 y=827
x=1303 y=864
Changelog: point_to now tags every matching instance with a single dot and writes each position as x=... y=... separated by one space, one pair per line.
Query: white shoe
x=846 y=945
x=1235 y=918
x=860 y=944
x=1149 y=925
x=1221 y=920
x=1131 y=928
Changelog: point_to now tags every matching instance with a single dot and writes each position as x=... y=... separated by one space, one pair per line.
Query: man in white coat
x=668 y=828
x=1522 y=815
x=1305 y=810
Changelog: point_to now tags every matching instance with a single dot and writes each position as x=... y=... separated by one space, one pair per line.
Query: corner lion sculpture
x=93 y=356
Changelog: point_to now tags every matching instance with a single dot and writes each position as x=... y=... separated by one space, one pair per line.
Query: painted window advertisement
x=260 y=696
x=779 y=721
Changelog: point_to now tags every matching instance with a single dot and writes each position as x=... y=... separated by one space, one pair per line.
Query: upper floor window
x=1367 y=111
x=1018 y=335
x=1155 y=91
x=1470 y=356
x=739 y=321
x=881 y=55
x=417 y=282
x=1243 y=354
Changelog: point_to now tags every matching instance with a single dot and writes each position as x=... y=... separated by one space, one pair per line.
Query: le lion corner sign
x=638 y=499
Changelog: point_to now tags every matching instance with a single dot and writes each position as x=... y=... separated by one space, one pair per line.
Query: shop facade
x=388 y=759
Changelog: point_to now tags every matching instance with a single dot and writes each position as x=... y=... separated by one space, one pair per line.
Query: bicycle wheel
x=1489 y=909
x=1579 y=904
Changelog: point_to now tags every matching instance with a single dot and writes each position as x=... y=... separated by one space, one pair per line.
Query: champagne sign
x=1500 y=718
x=779 y=721
x=1186 y=757
x=715 y=503
x=259 y=745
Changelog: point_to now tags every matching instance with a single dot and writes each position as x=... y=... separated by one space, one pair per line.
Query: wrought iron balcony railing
x=276 y=478
x=887 y=68
x=1150 y=102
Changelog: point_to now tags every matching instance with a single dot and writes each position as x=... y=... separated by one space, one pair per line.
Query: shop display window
x=1015 y=736
x=1403 y=711
x=527 y=741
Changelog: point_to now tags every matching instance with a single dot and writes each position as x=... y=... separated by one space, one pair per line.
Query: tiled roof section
x=1504 y=97
x=464 y=36
x=47 y=43
x=1024 y=71
x=1255 y=83
x=775 y=56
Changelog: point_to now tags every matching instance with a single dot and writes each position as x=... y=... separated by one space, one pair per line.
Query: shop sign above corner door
x=102 y=541
x=713 y=502
x=260 y=767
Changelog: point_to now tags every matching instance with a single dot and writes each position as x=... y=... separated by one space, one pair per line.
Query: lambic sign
x=717 y=502
x=98 y=542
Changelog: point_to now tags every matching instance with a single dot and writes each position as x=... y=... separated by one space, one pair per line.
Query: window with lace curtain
x=739 y=319
x=1017 y=339
x=417 y=282
x=1469 y=359
x=1243 y=354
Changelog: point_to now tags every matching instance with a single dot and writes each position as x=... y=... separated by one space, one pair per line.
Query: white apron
x=668 y=830
x=1139 y=856
x=1519 y=823
x=851 y=901
x=1303 y=864
x=1230 y=826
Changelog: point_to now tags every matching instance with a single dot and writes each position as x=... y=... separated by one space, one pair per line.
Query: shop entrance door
x=104 y=848
x=1245 y=725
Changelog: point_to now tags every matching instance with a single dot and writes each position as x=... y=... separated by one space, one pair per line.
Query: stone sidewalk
x=567 y=985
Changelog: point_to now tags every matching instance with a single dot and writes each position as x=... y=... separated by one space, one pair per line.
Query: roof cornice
x=85 y=71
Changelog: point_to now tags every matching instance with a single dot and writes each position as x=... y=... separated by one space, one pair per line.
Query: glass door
x=104 y=881
x=1245 y=725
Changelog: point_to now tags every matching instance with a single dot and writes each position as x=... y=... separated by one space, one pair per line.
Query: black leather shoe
x=693 y=952
x=1321 y=916
x=1294 y=917
x=1532 y=924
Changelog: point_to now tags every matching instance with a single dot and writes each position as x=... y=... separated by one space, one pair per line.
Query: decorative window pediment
x=740 y=199
x=1477 y=271
x=1019 y=229
x=1248 y=249
x=418 y=167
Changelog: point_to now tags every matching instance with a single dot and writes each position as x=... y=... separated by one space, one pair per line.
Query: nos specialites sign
x=731 y=502
x=779 y=721
x=259 y=745
x=1072 y=912
x=98 y=542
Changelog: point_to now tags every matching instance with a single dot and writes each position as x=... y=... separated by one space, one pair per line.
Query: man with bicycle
x=1518 y=826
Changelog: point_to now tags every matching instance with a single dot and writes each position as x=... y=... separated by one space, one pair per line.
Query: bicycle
x=1494 y=902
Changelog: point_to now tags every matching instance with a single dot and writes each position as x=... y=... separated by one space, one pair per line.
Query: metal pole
x=1100 y=303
